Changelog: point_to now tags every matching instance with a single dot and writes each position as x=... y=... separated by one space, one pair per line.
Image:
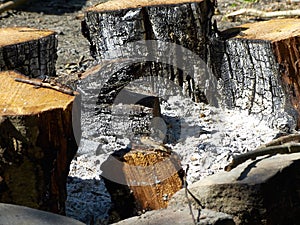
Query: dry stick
x=186 y=195
x=265 y=149
x=187 y=191
x=262 y=14
x=282 y=140
x=271 y=150
x=47 y=85
x=10 y=5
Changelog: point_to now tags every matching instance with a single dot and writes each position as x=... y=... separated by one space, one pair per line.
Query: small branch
x=186 y=195
x=267 y=149
x=282 y=140
x=10 y=5
x=262 y=14
x=281 y=145
x=53 y=86
x=187 y=191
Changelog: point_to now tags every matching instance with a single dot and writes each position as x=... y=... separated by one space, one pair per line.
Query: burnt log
x=143 y=179
x=121 y=30
x=30 y=51
x=154 y=176
x=258 y=69
x=110 y=107
x=36 y=144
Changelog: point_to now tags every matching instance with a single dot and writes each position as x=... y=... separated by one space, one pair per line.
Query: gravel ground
x=227 y=132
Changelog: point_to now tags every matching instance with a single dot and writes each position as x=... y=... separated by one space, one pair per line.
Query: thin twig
x=10 y=5
x=282 y=140
x=187 y=191
x=272 y=150
x=263 y=14
x=186 y=195
x=56 y=87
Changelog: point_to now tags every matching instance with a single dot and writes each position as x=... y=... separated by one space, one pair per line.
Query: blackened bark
x=259 y=73
x=110 y=27
x=30 y=51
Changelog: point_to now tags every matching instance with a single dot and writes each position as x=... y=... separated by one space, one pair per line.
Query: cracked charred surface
x=258 y=70
x=109 y=27
x=29 y=51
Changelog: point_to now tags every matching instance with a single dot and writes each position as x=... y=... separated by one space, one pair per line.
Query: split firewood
x=283 y=145
x=262 y=14
x=152 y=176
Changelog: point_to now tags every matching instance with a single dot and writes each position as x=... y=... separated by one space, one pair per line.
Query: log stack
x=36 y=144
x=30 y=51
x=258 y=70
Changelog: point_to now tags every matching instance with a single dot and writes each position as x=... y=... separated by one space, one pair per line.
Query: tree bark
x=110 y=109
x=36 y=144
x=112 y=26
x=147 y=178
x=159 y=170
x=30 y=51
x=258 y=70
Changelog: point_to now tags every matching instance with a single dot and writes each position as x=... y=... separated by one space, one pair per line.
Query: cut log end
x=16 y=35
x=115 y=5
x=37 y=144
x=24 y=99
x=272 y=30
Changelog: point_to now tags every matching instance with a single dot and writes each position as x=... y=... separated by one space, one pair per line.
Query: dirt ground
x=65 y=16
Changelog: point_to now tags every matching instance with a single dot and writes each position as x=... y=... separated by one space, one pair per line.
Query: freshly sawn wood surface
x=36 y=144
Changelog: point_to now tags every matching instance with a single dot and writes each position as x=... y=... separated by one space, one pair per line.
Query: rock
x=263 y=191
x=21 y=215
x=179 y=217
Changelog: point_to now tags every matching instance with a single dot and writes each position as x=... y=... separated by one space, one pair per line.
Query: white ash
x=205 y=137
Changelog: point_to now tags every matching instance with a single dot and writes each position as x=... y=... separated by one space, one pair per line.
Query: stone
x=14 y=214
x=262 y=191
x=179 y=217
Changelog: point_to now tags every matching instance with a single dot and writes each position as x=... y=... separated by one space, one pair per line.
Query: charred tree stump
x=258 y=70
x=109 y=108
x=30 y=51
x=36 y=144
x=113 y=25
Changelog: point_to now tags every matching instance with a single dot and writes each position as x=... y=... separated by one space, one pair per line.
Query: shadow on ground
x=54 y=7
